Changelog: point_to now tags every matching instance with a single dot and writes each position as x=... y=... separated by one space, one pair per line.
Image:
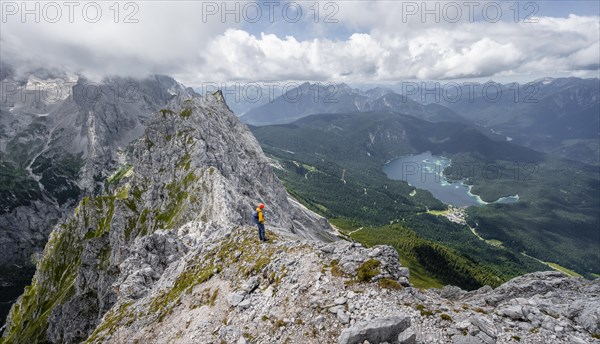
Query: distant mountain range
x=309 y=99
x=557 y=116
x=560 y=116
x=384 y=135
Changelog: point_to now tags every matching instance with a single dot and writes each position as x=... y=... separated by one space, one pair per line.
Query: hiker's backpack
x=255 y=216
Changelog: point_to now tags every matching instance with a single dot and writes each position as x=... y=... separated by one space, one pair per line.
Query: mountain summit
x=61 y=135
x=197 y=170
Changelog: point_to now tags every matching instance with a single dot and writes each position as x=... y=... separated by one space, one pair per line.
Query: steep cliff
x=195 y=165
x=60 y=135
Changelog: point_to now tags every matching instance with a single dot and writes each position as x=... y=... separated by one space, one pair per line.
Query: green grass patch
x=563 y=269
x=445 y=317
x=117 y=176
x=52 y=285
x=165 y=112
x=388 y=283
x=438 y=212
x=186 y=113
x=367 y=270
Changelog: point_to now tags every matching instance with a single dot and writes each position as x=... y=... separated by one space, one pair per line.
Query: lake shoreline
x=417 y=171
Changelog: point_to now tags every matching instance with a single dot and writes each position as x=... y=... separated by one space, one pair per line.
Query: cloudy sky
x=334 y=41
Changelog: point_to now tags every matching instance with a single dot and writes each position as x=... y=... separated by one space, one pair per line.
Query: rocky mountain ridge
x=297 y=291
x=310 y=99
x=167 y=254
x=290 y=290
x=558 y=116
x=60 y=135
x=195 y=163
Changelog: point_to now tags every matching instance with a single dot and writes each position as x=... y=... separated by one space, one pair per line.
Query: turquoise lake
x=425 y=171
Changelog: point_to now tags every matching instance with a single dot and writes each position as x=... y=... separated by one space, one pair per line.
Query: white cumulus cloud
x=369 y=43
x=466 y=50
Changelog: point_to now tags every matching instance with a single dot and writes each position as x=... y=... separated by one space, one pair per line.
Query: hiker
x=260 y=222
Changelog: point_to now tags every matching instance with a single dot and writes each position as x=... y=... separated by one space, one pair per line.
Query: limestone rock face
x=60 y=136
x=151 y=255
x=194 y=175
x=375 y=331
x=211 y=143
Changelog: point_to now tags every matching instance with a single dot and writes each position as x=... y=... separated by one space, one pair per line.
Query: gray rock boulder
x=235 y=299
x=538 y=283
x=514 y=312
x=452 y=292
x=485 y=326
x=250 y=285
x=375 y=331
x=407 y=337
x=343 y=317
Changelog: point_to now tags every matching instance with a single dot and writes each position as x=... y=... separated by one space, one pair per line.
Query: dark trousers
x=261 y=232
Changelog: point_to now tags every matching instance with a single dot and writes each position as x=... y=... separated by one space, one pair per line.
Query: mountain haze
x=559 y=116
x=309 y=99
